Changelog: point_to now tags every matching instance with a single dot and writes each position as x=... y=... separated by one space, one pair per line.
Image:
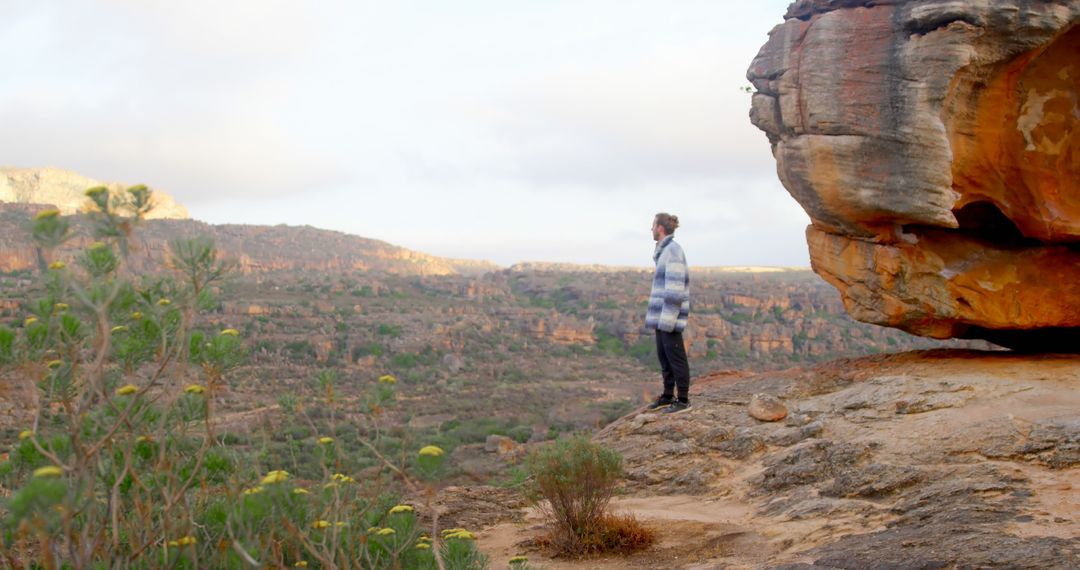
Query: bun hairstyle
x=667 y=221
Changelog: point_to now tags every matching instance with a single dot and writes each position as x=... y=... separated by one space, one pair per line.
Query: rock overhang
x=934 y=145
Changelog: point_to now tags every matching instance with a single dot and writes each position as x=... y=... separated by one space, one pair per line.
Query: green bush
x=573 y=482
x=392 y=331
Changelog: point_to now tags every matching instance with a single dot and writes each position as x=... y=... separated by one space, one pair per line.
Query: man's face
x=657 y=231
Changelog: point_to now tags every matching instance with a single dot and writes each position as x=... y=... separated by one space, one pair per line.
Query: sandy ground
x=690 y=530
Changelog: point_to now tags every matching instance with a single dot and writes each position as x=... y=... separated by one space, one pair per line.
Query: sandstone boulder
x=935 y=145
x=767 y=408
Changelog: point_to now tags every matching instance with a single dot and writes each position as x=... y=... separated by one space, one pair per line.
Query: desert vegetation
x=125 y=462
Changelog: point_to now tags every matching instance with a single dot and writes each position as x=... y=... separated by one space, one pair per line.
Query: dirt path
x=689 y=530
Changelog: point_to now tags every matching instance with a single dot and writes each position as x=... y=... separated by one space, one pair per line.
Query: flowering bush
x=123 y=465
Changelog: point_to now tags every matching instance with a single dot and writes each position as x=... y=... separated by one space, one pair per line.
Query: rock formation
x=935 y=145
x=65 y=189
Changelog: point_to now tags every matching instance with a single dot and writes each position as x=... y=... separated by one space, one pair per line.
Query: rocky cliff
x=934 y=144
x=65 y=189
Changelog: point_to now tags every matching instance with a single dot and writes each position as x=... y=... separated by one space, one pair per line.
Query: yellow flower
x=326 y=440
x=422 y=546
x=253 y=491
x=230 y=332
x=330 y=485
x=194 y=389
x=184 y=541
x=320 y=524
x=46 y=214
x=519 y=559
x=48 y=471
x=300 y=564
x=57 y=265
x=401 y=509
x=431 y=451
x=387 y=379
x=339 y=523
x=29 y=321
x=96 y=190
x=60 y=306
x=119 y=328
x=173 y=543
x=136 y=316
x=26 y=434
x=385 y=531
x=372 y=529
x=164 y=302
x=447 y=531
x=143 y=438
x=275 y=477
x=127 y=390
x=424 y=538
x=301 y=491
x=461 y=534
x=53 y=364
x=342 y=478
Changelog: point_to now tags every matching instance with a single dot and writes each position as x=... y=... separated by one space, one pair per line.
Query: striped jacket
x=669 y=302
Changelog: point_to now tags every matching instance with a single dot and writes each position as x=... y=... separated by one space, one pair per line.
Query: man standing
x=669 y=307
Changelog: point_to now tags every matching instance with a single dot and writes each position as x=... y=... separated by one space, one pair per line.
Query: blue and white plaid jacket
x=669 y=302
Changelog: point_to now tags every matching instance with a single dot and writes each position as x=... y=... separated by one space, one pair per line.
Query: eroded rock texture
x=919 y=460
x=936 y=147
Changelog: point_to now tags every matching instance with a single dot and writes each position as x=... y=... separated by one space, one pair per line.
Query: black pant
x=673 y=363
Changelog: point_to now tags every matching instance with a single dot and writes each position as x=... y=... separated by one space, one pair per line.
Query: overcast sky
x=507 y=130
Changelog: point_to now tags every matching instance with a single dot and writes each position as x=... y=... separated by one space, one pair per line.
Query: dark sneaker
x=677 y=408
x=661 y=402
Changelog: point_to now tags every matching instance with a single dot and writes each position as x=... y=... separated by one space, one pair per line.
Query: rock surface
x=944 y=459
x=64 y=189
x=935 y=145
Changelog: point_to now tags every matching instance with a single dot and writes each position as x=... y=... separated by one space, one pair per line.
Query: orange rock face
x=936 y=147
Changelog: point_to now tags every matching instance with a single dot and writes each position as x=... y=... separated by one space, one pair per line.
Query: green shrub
x=573 y=482
x=392 y=331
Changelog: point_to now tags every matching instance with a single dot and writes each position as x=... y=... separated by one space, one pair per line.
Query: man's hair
x=668 y=222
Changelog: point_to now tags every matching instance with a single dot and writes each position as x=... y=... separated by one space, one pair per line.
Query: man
x=669 y=307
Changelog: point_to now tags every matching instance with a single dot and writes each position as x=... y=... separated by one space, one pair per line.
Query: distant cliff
x=254 y=248
x=64 y=189
x=558 y=267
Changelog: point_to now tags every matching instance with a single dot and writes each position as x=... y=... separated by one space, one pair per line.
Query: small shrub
x=577 y=479
x=393 y=331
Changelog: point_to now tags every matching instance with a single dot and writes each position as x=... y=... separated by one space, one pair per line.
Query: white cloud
x=506 y=130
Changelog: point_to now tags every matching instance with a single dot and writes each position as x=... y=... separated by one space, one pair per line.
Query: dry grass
x=612 y=534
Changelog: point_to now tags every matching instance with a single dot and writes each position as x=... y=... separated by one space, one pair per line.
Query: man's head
x=664 y=225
